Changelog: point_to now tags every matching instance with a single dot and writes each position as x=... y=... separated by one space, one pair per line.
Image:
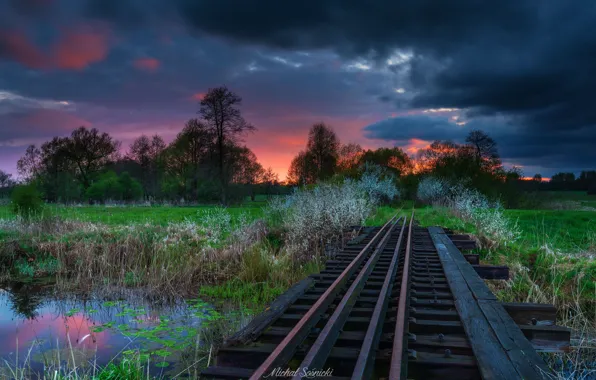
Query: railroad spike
x=441 y=337
x=447 y=353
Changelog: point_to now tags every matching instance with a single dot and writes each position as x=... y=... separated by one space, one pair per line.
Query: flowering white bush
x=314 y=218
x=471 y=206
x=432 y=189
x=377 y=185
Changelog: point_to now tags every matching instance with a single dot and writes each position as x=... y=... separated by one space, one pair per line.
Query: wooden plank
x=537 y=314
x=548 y=338
x=503 y=337
x=492 y=272
x=473 y=259
x=272 y=313
x=520 y=351
x=477 y=286
x=493 y=362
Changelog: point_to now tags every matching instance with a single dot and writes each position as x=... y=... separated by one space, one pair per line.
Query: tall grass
x=172 y=259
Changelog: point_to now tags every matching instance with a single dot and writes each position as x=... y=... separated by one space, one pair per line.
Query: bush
x=112 y=187
x=315 y=218
x=470 y=205
x=26 y=201
x=378 y=184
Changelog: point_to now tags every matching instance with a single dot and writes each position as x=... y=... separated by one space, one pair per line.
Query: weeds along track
x=402 y=302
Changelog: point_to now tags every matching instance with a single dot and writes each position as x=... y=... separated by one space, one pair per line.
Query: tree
x=319 y=160
x=146 y=151
x=349 y=156
x=219 y=109
x=537 y=178
x=29 y=165
x=485 y=148
x=301 y=171
x=394 y=159
x=323 y=150
x=90 y=151
x=5 y=179
x=188 y=157
x=269 y=180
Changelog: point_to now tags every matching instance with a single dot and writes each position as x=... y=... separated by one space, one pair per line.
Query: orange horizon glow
x=532 y=178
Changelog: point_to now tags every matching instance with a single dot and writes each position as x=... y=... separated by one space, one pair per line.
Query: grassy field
x=125 y=215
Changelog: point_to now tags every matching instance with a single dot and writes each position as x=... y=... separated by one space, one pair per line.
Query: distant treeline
x=207 y=162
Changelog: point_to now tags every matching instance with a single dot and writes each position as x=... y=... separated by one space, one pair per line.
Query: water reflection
x=37 y=327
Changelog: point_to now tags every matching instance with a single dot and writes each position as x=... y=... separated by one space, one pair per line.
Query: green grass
x=254 y=295
x=581 y=197
x=124 y=215
x=563 y=230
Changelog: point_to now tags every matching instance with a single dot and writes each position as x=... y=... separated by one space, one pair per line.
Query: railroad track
x=403 y=302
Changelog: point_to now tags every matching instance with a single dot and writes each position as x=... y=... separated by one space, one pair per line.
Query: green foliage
x=110 y=186
x=131 y=188
x=127 y=368
x=252 y=294
x=26 y=201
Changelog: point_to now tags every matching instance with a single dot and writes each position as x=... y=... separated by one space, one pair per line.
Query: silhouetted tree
x=349 y=156
x=394 y=159
x=5 y=179
x=187 y=158
x=484 y=146
x=300 y=172
x=89 y=150
x=219 y=109
x=147 y=151
x=323 y=150
x=269 y=180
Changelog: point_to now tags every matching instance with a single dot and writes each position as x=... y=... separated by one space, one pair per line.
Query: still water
x=38 y=329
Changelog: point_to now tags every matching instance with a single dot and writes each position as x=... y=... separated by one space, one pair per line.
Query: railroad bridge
x=399 y=302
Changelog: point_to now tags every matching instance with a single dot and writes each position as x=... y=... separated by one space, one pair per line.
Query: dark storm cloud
x=554 y=151
x=527 y=61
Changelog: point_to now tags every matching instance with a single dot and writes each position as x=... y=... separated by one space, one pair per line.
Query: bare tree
x=29 y=165
x=484 y=145
x=219 y=109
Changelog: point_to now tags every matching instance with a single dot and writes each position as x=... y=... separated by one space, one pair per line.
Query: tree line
x=207 y=161
x=475 y=162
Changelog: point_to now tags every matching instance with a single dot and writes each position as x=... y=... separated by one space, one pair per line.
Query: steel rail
x=366 y=358
x=319 y=351
x=399 y=355
x=285 y=350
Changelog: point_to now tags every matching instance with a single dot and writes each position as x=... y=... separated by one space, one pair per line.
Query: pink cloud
x=147 y=64
x=19 y=48
x=80 y=47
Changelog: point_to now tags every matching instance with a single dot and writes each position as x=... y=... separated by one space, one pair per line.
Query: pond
x=40 y=330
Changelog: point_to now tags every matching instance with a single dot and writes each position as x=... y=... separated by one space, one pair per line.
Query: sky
x=380 y=72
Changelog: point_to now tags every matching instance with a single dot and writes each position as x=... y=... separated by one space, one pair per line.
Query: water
x=36 y=327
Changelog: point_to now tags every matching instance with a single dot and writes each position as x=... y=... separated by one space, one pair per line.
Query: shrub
x=110 y=186
x=26 y=201
x=378 y=185
x=312 y=219
x=470 y=205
